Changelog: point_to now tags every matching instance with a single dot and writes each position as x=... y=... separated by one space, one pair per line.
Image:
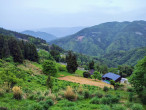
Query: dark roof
x=111 y=76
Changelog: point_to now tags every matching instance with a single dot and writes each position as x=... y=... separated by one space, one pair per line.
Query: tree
x=125 y=70
x=91 y=65
x=49 y=68
x=15 y=50
x=97 y=75
x=71 y=62
x=138 y=78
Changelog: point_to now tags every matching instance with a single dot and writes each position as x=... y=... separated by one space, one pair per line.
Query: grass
x=34 y=86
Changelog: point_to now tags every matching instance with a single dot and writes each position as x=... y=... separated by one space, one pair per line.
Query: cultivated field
x=85 y=81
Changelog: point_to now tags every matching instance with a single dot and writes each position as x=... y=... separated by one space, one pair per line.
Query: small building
x=111 y=76
x=124 y=81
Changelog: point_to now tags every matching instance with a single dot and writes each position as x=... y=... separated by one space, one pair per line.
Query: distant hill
x=40 y=43
x=42 y=35
x=61 y=31
x=106 y=38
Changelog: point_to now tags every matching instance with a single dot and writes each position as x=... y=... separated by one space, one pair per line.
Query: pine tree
x=5 y=49
x=71 y=62
x=1 y=45
x=15 y=50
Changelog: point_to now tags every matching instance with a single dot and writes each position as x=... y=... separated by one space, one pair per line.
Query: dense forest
x=106 y=38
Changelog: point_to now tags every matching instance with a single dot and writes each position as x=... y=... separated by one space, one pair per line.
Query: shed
x=111 y=76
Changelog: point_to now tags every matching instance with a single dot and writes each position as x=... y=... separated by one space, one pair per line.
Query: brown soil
x=82 y=80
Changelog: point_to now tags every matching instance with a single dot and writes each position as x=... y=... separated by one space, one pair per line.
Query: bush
x=17 y=93
x=86 y=94
x=2 y=92
x=118 y=107
x=33 y=97
x=62 y=68
x=95 y=100
x=105 y=89
x=80 y=89
x=40 y=98
x=105 y=100
x=128 y=104
x=99 y=94
x=69 y=94
x=137 y=107
x=47 y=103
x=86 y=75
x=130 y=96
x=80 y=97
x=130 y=89
x=35 y=106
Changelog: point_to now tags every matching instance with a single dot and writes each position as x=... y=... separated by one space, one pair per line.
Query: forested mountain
x=42 y=35
x=105 y=38
x=39 y=43
x=124 y=57
x=17 y=49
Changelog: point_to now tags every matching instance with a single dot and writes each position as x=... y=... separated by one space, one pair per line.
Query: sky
x=35 y=14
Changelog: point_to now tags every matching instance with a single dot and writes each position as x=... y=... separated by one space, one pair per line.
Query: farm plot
x=85 y=81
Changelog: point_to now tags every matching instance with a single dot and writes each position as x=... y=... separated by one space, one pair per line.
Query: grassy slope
x=35 y=86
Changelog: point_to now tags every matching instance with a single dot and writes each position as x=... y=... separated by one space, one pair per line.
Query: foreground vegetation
x=24 y=89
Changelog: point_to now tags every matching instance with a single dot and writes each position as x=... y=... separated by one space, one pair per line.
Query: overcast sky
x=33 y=14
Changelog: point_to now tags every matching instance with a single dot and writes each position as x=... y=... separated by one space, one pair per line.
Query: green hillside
x=106 y=38
x=124 y=57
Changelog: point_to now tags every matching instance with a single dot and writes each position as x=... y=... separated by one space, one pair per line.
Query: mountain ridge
x=105 y=38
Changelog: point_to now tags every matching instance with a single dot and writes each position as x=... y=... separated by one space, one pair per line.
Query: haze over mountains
x=105 y=38
x=61 y=31
x=42 y=35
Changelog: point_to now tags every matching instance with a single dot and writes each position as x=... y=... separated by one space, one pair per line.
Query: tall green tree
x=5 y=50
x=15 y=50
x=71 y=62
x=49 y=68
x=91 y=65
x=138 y=79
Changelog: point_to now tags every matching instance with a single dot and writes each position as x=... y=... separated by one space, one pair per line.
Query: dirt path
x=85 y=81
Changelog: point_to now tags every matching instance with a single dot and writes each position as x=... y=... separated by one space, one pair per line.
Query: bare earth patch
x=82 y=80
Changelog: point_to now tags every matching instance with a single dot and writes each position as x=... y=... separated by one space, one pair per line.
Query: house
x=111 y=76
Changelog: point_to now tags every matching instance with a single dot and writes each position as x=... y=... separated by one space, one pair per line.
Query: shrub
x=47 y=93
x=17 y=92
x=62 y=68
x=35 y=106
x=137 y=107
x=40 y=98
x=99 y=94
x=95 y=100
x=69 y=94
x=48 y=103
x=80 y=90
x=118 y=107
x=130 y=89
x=2 y=92
x=128 y=104
x=86 y=75
x=105 y=89
x=80 y=97
x=33 y=97
x=130 y=96
x=105 y=100
x=86 y=94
